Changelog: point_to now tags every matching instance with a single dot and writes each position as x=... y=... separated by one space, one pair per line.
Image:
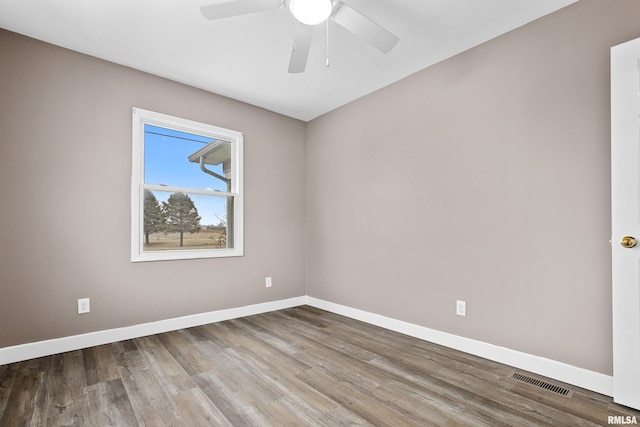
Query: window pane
x=166 y=159
x=183 y=221
x=186 y=191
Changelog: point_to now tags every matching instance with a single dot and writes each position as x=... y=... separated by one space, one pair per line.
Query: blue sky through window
x=166 y=162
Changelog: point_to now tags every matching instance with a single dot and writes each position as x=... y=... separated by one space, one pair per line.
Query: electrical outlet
x=267 y=282
x=461 y=308
x=84 y=306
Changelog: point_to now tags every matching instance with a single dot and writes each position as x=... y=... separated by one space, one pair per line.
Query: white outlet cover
x=84 y=305
x=461 y=308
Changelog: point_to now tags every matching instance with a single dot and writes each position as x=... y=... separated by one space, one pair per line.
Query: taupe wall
x=65 y=166
x=484 y=178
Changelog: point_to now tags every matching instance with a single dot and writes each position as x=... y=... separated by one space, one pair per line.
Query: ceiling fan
x=308 y=14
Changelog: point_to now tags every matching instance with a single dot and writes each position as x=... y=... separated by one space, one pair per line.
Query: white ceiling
x=246 y=57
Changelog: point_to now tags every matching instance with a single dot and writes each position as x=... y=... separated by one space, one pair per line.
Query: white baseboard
x=563 y=372
x=584 y=378
x=60 y=345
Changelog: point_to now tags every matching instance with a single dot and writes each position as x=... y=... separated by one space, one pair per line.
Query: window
x=186 y=189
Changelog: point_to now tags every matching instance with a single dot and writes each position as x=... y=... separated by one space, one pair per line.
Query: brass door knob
x=628 y=242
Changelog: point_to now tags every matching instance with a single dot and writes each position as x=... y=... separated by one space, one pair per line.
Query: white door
x=625 y=203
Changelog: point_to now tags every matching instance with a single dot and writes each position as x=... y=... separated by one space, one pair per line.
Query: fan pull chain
x=293 y=36
x=327 y=44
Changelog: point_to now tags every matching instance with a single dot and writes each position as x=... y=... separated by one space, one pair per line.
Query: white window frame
x=235 y=138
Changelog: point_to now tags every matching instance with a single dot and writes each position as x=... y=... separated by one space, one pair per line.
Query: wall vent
x=543 y=384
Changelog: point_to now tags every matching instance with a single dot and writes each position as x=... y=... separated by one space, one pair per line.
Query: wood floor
x=294 y=367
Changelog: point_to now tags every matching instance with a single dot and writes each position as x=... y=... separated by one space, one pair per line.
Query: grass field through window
x=215 y=238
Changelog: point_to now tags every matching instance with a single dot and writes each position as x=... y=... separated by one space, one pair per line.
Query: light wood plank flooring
x=294 y=367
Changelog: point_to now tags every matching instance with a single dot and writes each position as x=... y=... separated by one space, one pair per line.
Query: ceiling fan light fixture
x=311 y=12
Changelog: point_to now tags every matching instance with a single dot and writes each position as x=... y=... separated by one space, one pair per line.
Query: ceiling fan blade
x=238 y=7
x=301 y=46
x=364 y=28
